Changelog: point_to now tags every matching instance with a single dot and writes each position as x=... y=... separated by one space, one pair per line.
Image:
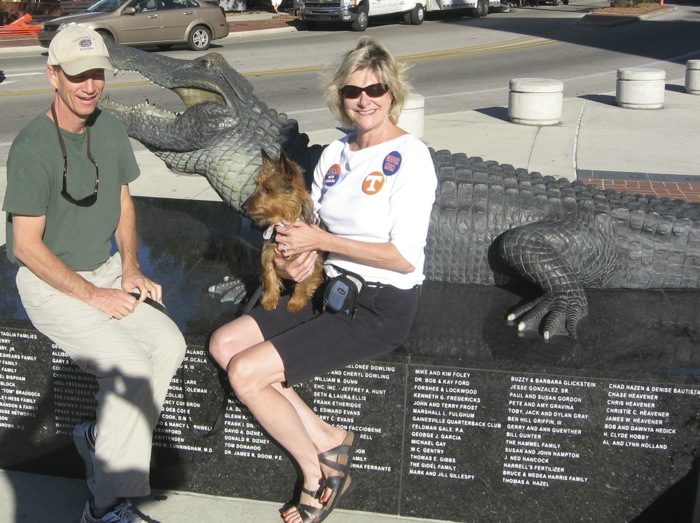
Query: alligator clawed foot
x=235 y=289
x=561 y=312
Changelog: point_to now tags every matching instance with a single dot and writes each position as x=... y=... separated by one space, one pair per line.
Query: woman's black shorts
x=312 y=343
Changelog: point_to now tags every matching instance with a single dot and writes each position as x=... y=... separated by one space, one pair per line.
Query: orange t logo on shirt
x=373 y=183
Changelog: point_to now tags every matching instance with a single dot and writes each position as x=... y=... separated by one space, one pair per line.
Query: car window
x=106 y=6
x=176 y=4
x=144 y=6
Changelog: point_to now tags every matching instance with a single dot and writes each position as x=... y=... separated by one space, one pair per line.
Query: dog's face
x=280 y=193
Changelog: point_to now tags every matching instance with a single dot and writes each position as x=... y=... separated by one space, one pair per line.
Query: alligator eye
x=207 y=64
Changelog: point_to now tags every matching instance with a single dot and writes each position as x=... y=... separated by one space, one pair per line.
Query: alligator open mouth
x=213 y=93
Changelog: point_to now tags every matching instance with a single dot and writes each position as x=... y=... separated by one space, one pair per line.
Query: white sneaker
x=122 y=513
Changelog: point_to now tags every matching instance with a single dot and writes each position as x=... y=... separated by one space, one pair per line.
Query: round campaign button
x=392 y=163
x=332 y=175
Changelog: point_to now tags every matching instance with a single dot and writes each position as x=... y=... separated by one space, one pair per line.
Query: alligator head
x=223 y=128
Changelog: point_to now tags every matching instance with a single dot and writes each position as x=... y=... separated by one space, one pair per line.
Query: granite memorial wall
x=468 y=421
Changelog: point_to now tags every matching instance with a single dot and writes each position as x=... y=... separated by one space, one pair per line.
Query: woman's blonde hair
x=369 y=54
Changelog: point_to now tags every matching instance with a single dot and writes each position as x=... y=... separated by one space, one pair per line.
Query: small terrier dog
x=280 y=195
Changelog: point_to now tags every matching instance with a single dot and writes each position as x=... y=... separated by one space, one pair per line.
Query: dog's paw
x=269 y=301
x=296 y=304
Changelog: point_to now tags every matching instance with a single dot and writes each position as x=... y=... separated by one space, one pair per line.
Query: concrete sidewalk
x=45 y=499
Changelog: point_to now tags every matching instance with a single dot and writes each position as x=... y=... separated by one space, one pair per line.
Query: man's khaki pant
x=133 y=359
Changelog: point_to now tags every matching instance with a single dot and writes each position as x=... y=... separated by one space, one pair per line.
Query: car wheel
x=481 y=9
x=106 y=36
x=199 y=39
x=417 y=15
x=361 y=23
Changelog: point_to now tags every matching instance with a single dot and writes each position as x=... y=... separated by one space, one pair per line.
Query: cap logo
x=85 y=43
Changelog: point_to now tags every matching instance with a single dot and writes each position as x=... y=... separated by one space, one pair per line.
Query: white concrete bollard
x=535 y=101
x=692 y=76
x=640 y=88
x=412 y=118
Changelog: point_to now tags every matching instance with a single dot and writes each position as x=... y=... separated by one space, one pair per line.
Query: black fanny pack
x=343 y=292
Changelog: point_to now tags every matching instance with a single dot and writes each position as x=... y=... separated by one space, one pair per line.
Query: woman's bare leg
x=256 y=372
x=255 y=375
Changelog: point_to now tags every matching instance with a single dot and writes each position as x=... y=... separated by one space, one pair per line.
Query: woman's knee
x=232 y=338
x=218 y=347
x=243 y=378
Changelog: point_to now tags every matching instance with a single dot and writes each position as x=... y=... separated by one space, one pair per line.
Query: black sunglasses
x=373 y=91
x=92 y=198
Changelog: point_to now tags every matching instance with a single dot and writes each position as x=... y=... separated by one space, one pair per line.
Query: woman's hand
x=297 y=237
x=297 y=269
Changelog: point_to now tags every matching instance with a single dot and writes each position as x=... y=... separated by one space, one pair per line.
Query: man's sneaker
x=121 y=513
x=84 y=440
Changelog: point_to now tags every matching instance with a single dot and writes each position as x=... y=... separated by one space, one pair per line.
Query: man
x=67 y=196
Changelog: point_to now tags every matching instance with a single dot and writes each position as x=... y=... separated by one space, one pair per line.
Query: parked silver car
x=148 y=22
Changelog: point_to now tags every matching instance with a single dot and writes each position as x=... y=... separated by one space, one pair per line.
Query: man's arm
x=125 y=237
x=31 y=250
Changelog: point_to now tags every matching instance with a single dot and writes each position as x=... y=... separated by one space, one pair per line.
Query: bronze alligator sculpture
x=488 y=219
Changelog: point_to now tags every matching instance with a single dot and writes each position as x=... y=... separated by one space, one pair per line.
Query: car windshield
x=106 y=6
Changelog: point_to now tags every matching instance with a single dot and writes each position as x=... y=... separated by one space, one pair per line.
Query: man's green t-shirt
x=80 y=236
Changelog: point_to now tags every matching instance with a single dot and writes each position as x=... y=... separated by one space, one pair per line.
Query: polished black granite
x=468 y=421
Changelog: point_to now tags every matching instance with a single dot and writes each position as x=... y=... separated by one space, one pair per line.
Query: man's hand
x=134 y=281
x=114 y=302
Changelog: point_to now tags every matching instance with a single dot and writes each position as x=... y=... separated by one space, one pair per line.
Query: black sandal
x=311 y=514
x=343 y=454
x=341 y=484
x=308 y=513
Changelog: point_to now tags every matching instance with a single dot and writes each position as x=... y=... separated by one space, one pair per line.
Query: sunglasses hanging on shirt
x=88 y=200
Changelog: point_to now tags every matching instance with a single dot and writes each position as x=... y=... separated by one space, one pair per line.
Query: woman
x=373 y=190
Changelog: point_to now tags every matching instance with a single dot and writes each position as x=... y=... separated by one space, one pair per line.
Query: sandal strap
x=340 y=450
x=343 y=454
x=334 y=483
x=313 y=493
x=308 y=513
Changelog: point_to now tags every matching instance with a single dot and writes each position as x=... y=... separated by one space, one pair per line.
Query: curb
x=253 y=32
x=615 y=19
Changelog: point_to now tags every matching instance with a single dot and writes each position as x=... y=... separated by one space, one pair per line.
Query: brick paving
x=689 y=191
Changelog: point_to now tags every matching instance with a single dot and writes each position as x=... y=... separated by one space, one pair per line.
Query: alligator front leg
x=558 y=257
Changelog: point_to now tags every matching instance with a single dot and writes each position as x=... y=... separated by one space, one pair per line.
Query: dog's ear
x=289 y=167
x=266 y=158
